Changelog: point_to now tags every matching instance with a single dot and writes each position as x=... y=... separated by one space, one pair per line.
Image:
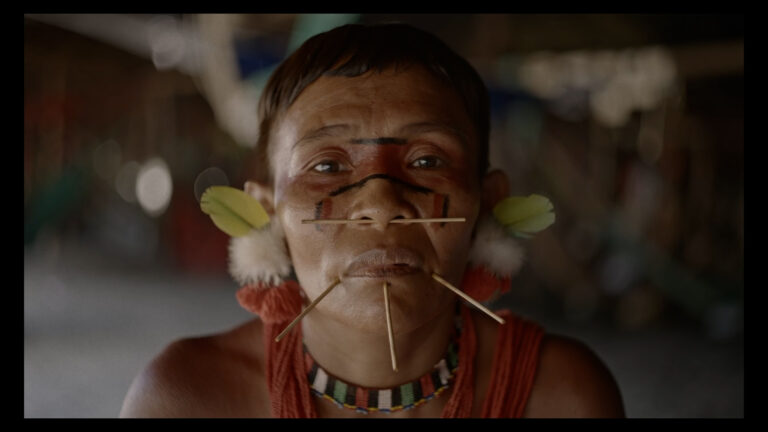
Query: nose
x=381 y=200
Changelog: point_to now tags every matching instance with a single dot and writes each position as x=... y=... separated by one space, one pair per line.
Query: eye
x=427 y=162
x=326 y=166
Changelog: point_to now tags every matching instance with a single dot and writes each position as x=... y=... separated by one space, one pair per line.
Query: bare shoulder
x=572 y=381
x=220 y=375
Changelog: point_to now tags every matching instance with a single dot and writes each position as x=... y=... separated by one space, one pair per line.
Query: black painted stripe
x=362 y=182
x=318 y=213
x=445 y=209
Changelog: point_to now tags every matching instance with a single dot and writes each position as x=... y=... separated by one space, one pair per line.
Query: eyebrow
x=379 y=141
x=409 y=129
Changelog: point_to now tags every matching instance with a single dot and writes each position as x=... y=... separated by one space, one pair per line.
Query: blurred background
x=633 y=125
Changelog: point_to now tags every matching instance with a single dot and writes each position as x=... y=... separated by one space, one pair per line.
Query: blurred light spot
x=125 y=182
x=579 y=65
x=166 y=42
x=610 y=105
x=240 y=113
x=617 y=83
x=539 y=75
x=654 y=76
x=106 y=159
x=604 y=65
x=212 y=176
x=154 y=186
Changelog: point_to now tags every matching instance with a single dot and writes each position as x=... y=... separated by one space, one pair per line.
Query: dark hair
x=354 y=49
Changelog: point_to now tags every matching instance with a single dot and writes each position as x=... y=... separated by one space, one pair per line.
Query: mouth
x=385 y=262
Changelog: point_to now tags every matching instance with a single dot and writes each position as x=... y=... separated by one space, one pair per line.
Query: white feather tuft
x=495 y=250
x=260 y=256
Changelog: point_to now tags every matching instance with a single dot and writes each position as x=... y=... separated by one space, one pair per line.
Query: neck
x=363 y=358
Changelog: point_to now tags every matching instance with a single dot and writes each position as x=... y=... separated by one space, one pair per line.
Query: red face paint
x=437 y=206
x=440 y=207
x=382 y=159
x=327 y=208
x=323 y=210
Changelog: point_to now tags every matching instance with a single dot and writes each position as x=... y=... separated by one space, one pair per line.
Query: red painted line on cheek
x=437 y=206
x=323 y=210
x=327 y=208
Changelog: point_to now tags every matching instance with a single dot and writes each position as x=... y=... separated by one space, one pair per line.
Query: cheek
x=452 y=241
x=296 y=201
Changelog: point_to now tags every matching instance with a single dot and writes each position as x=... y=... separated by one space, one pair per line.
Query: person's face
x=380 y=146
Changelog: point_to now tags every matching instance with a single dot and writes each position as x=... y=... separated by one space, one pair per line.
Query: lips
x=385 y=262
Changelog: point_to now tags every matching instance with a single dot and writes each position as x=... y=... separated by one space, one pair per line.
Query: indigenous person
x=382 y=129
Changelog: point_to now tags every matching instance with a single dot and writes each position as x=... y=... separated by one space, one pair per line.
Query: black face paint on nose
x=321 y=207
x=395 y=180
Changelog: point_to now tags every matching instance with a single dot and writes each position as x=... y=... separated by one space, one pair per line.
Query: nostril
x=365 y=218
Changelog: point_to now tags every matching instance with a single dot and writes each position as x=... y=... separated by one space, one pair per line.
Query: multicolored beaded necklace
x=365 y=400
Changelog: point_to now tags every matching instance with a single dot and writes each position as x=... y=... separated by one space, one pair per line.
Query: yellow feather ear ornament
x=258 y=257
x=496 y=255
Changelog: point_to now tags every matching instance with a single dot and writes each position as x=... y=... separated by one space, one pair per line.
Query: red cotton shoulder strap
x=286 y=377
x=514 y=367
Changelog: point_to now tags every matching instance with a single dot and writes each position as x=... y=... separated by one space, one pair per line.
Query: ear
x=495 y=189
x=263 y=194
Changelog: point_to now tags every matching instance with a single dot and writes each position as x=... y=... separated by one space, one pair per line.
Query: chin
x=414 y=300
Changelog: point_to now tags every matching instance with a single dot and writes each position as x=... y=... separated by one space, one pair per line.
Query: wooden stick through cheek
x=324 y=206
x=390 y=332
x=306 y=311
x=463 y=295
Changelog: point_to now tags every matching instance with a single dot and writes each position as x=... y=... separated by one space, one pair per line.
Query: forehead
x=374 y=104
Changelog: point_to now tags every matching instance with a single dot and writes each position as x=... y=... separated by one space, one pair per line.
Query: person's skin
x=405 y=148
x=432 y=148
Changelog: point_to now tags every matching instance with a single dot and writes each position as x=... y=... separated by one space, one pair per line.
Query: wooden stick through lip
x=370 y=221
x=389 y=327
x=463 y=295
x=306 y=311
